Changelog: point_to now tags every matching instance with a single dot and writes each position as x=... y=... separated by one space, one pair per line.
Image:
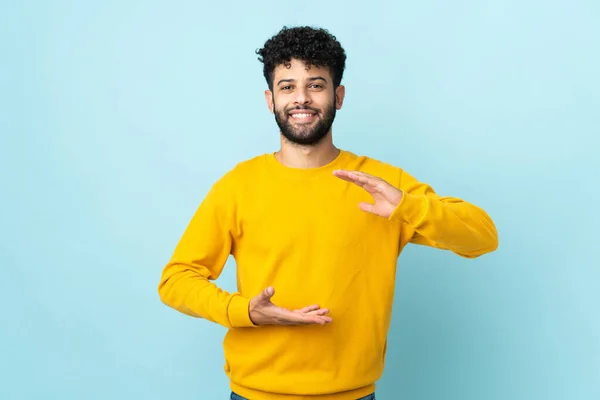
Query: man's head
x=303 y=68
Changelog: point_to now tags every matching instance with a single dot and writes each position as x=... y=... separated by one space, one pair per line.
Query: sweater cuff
x=239 y=316
x=411 y=209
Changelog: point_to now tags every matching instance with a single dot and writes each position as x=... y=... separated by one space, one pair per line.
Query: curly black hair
x=313 y=46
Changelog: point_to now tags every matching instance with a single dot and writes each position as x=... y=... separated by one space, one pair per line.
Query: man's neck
x=297 y=156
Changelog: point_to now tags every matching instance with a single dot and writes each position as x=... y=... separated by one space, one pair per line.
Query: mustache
x=302 y=108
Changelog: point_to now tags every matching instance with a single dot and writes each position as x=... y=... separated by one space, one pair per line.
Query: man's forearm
x=448 y=223
x=186 y=288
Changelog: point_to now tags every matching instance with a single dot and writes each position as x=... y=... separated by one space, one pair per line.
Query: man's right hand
x=263 y=312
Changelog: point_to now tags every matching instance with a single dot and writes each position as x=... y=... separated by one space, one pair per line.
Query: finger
x=307 y=319
x=364 y=179
x=322 y=319
x=266 y=294
x=343 y=174
x=287 y=317
x=320 y=311
x=360 y=178
x=362 y=173
x=353 y=175
x=317 y=316
x=350 y=176
x=308 y=308
x=367 y=207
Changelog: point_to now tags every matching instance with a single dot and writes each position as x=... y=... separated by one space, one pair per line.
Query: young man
x=315 y=232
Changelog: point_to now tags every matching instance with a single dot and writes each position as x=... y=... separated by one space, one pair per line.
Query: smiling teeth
x=301 y=115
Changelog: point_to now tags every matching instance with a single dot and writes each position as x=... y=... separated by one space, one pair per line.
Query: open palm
x=263 y=312
x=386 y=197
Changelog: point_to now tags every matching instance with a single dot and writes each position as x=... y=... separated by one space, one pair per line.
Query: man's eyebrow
x=312 y=79
x=285 y=80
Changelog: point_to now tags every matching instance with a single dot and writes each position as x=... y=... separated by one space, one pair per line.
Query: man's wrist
x=239 y=312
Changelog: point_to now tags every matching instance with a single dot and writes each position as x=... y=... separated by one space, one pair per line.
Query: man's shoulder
x=250 y=163
x=242 y=168
x=239 y=171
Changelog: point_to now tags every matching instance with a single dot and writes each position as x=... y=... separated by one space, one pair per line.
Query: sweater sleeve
x=447 y=223
x=199 y=257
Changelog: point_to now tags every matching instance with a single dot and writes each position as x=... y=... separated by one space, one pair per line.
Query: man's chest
x=309 y=218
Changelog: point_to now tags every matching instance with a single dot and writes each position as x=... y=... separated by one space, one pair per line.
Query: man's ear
x=340 y=92
x=269 y=99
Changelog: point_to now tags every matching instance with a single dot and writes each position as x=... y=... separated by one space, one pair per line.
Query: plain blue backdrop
x=117 y=116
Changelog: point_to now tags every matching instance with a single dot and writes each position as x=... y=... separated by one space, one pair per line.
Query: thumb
x=267 y=294
x=367 y=207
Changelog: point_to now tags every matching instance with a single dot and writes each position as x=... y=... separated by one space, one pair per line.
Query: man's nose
x=302 y=97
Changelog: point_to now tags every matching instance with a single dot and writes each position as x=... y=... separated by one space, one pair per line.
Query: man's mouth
x=303 y=115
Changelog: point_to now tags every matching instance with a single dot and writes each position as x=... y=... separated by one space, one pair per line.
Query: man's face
x=304 y=102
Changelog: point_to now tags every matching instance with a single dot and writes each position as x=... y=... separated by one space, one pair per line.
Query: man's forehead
x=297 y=70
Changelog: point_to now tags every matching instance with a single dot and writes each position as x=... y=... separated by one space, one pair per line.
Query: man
x=315 y=232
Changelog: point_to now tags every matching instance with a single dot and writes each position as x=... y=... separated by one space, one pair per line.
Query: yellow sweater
x=301 y=231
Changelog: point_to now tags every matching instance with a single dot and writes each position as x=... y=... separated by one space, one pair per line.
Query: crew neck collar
x=294 y=172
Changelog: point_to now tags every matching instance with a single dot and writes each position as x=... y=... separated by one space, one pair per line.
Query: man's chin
x=304 y=140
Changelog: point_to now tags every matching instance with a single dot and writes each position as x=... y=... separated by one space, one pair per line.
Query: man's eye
x=316 y=86
x=286 y=88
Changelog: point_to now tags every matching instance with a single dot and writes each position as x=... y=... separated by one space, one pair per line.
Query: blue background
x=115 y=119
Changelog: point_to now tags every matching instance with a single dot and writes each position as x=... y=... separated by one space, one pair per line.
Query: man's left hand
x=386 y=197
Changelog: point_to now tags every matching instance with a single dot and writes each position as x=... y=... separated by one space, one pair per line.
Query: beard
x=305 y=134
